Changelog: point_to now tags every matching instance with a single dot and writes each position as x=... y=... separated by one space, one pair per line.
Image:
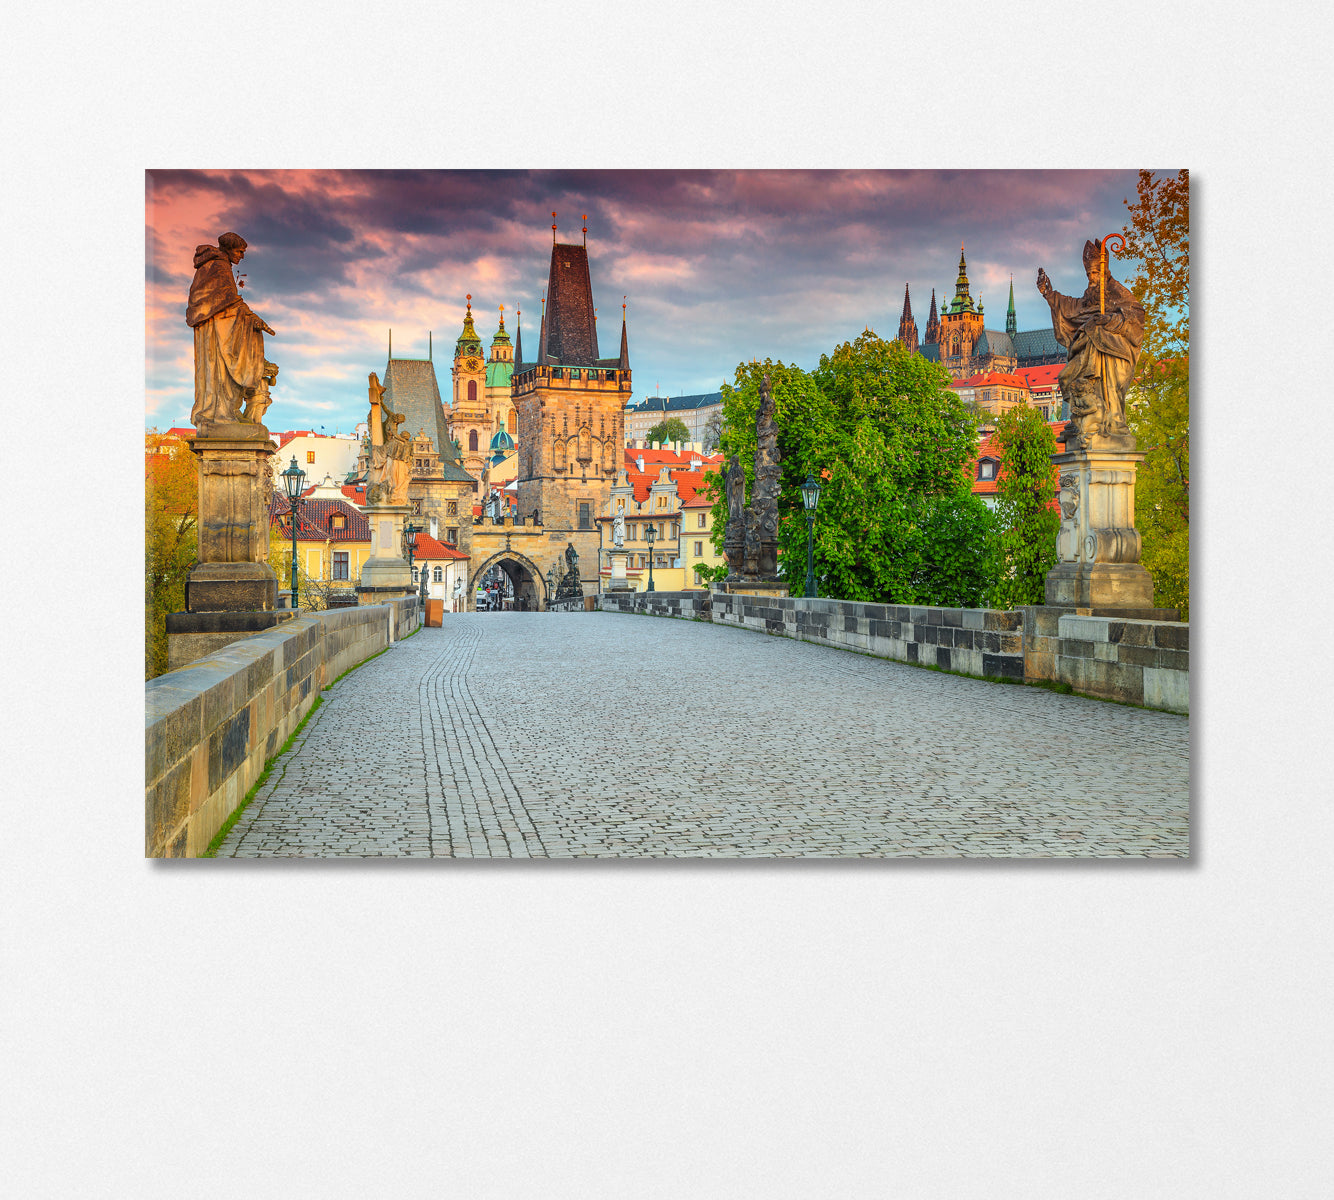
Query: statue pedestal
x=233 y=573
x=619 y=581
x=386 y=574
x=1098 y=546
x=232 y=591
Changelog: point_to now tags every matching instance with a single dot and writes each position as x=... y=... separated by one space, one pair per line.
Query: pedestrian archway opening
x=526 y=584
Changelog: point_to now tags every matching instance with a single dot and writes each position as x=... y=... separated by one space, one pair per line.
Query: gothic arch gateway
x=530 y=589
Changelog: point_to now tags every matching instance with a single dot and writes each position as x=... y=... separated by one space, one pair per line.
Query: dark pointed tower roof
x=571 y=329
x=1011 y=322
x=625 y=342
x=933 y=323
x=907 y=326
x=542 y=335
x=502 y=338
x=518 y=340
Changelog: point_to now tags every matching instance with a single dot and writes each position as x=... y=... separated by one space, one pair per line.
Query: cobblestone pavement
x=521 y=735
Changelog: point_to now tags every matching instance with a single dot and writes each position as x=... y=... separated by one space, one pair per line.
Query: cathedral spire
x=518 y=340
x=542 y=335
x=962 y=301
x=933 y=323
x=907 y=326
x=1011 y=324
x=625 y=341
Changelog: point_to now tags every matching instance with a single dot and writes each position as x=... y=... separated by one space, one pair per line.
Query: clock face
x=473 y=363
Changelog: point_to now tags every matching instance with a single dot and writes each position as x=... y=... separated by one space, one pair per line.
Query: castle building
x=959 y=340
x=907 y=326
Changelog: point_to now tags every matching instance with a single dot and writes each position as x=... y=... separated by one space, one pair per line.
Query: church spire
x=518 y=340
x=1011 y=324
x=625 y=341
x=962 y=301
x=907 y=326
x=933 y=323
x=542 y=335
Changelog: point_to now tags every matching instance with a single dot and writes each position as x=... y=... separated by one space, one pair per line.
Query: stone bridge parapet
x=211 y=725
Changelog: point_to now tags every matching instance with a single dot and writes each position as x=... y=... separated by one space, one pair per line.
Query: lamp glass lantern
x=294 y=479
x=810 y=497
x=650 y=536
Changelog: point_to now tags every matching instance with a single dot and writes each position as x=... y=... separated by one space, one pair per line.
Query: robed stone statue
x=232 y=376
x=1103 y=330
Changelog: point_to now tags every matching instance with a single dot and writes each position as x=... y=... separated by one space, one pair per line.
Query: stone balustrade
x=212 y=725
x=1137 y=661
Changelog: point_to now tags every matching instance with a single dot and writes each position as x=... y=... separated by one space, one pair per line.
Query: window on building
x=703 y=517
x=414 y=575
x=986 y=469
x=452 y=509
x=512 y=422
x=338 y=521
x=472 y=440
x=662 y=501
x=451 y=535
x=472 y=392
x=416 y=508
x=439 y=575
x=340 y=564
x=699 y=549
x=585 y=515
x=620 y=504
x=310 y=456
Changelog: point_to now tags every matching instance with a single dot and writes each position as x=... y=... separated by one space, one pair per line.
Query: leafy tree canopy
x=1158 y=408
x=1026 y=526
x=673 y=429
x=171 y=503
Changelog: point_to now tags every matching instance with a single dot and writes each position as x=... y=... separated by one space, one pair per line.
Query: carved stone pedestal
x=1098 y=546
x=620 y=581
x=386 y=574
x=232 y=591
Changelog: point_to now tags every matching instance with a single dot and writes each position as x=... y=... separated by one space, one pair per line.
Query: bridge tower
x=570 y=407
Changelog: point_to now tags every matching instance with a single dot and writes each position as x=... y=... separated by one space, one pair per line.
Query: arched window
x=472 y=440
x=440 y=575
x=512 y=423
x=472 y=394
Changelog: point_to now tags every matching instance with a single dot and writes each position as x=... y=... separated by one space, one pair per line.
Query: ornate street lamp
x=410 y=532
x=294 y=479
x=810 y=497
x=650 y=536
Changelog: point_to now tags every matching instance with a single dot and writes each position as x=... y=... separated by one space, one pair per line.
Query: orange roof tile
x=427 y=547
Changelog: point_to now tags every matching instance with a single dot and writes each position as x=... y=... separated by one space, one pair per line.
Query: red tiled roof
x=355 y=492
x=990 y=448
x=427 y=547
x=313 y=520
x=1040 y=377
x=992 y=379
x=180 y=431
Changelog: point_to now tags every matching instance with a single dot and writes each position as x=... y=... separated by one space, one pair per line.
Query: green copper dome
x=469 y=342
x=501 y=442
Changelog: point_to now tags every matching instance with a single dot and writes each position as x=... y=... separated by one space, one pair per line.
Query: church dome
x=502 y=442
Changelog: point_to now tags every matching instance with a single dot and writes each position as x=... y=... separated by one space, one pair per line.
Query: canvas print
x=737 y=514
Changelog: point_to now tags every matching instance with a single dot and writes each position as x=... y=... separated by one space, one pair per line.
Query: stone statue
x=571 y=556
x=618 y=531
x=570 y=586
x=232 y=376
x=734 y=536
x=391 y=451
x=1103 y=331
x=761 y=554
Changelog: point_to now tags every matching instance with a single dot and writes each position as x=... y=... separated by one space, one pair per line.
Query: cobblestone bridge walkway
x=522 y=735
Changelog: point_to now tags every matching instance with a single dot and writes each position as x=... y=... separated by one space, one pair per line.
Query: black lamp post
x=810 y=497
x=410 y=531
x=294 y=479
x=650 y=536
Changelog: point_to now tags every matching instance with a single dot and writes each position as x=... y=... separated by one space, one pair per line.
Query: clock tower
x=468 y=422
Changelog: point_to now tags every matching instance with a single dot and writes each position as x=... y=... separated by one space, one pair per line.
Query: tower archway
x=530 y=589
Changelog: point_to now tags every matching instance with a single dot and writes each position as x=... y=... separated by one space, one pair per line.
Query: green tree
x=1026 y=526
x=1158 y=408
x=673 y=429
x=891 y=444
x=171 y=509
x=312 y=594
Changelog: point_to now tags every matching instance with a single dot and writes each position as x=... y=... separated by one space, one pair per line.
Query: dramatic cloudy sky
x=716 y=266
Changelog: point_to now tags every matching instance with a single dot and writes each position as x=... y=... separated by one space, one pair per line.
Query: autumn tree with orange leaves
x=171 y=542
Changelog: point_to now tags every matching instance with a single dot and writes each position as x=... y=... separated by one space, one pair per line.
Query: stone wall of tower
x=571 y=439
x=961 y=330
